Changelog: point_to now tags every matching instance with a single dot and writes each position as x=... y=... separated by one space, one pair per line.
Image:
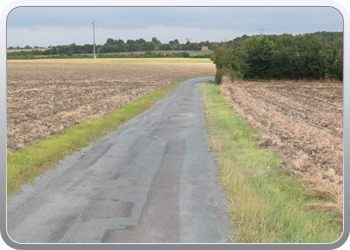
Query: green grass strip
x=23 y=166
x=266 y=204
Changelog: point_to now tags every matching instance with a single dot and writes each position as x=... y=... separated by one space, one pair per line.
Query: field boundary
x=267 y=205
x=23 y=166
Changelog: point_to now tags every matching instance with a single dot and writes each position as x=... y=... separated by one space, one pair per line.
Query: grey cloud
x=234 y=20
x=141 y=17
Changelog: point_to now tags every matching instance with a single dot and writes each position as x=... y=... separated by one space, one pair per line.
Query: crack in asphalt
x=152 y=181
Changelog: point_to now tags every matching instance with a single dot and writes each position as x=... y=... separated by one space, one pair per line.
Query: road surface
x=152 y=181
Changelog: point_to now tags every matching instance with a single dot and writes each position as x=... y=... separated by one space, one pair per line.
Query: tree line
x=118 y=45
x=113 y=46
x=309 y=56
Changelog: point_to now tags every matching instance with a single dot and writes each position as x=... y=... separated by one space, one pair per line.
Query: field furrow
x=303 y=120
x=47 y=97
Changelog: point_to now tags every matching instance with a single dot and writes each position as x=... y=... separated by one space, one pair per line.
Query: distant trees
x=192 y=46
x=112 y=45
x=175 y=45
x=308 y=56
x=119 y=45
x=155 y=41
x=165 y=46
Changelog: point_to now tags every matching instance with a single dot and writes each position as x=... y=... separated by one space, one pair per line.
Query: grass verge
x=266 y=204
x=23 y=166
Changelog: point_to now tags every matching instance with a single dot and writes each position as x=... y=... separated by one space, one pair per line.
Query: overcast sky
x=44 y=26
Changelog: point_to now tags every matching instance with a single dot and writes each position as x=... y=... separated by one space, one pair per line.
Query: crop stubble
x=45 y=98
x=304 y=120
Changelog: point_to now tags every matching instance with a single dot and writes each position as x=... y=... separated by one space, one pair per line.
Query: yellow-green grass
x=266 y=204
x=124 y=60
x=23 y=166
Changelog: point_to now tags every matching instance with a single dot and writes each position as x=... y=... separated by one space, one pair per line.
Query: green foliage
x=227 y=61
x=185 y=54
x=308 y=62
x=309 y=56
x=155 y=40
x=115 y=46
x=257 y=52
x=335 y=69
x=218 y=76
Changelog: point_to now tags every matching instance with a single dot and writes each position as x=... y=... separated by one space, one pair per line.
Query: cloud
x=45 y=36
x=56 y=35
x=165 y=34
x=43 y=26
x=142 y=17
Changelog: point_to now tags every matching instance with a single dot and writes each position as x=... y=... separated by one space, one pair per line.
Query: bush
x=308 y=56
x=218 y=76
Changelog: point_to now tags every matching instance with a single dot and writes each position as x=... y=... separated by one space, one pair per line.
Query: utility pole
x=93 y=23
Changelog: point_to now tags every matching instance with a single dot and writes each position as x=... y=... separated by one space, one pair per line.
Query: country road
x=152 y=181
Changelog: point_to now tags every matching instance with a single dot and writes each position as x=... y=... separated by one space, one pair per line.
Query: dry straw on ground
x=47 y=97
x=304 y=121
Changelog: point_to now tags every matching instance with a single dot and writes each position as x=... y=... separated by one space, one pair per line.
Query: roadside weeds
x=267 y=204
x=23 y=166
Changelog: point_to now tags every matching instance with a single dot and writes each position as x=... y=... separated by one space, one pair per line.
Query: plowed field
x=47 y=97
x=303 y=120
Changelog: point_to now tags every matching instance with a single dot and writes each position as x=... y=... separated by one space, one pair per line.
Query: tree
x=307 y=56
x=285 y=50
x=140 y=41
x=227 y=61
x=333 y=56
x=164 y=46
x=110 y=40
x=88 y=48
x=194 y=46
x=141 y=44
x=131 y=45
x=175 y=45
x=155 y=41
x=149 y=46
x=257 y=53
x=308 y=62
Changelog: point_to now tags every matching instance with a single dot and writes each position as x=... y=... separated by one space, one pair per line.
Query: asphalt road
x=152 y=181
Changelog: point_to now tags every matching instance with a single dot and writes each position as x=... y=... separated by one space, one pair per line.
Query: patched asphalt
x=152 y=181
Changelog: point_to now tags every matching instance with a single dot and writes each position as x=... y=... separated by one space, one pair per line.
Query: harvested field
x=47 y=97
x=304 y=121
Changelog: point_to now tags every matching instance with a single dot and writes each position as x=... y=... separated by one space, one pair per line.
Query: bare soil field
x=304 y=121
x=47 y=97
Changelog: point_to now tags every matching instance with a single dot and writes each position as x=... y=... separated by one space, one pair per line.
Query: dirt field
x=45 y=98
x=303 y=120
